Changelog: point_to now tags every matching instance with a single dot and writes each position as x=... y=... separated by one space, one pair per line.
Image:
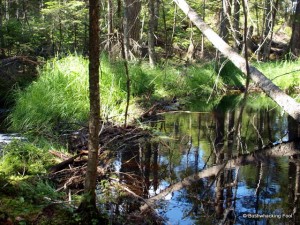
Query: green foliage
x=20 y=157
x=59 y=98
x=60 y=95
x=27 y=196
x=284 y=74
x=34 y=190
x=231 y=75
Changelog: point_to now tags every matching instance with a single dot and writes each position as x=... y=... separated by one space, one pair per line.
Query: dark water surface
x=241 y=167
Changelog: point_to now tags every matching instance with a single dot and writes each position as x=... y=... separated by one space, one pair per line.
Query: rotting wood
x=279 y=150
x=283 y=100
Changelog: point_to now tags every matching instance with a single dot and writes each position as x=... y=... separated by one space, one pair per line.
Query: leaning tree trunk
x=286 y=102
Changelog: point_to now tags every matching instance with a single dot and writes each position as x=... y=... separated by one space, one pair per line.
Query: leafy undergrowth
x=28 y=200
x=24 y=189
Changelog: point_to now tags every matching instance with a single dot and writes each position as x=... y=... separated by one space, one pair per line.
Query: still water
x=227 y=163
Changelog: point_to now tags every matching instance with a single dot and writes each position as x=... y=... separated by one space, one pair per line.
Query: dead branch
x=63 y=164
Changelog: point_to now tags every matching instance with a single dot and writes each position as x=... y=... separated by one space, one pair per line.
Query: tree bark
x=133 y=10
x=236 y=24
x=283 y=100
x=2 y=54
x=131 y=24
x=266 y=42
x=224 y=25
x=88 y=204
x=295 y=43
x=109 y=25
x=151 y=48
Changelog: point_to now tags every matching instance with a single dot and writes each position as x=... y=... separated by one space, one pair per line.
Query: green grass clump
x=59 y=96
x=58 y=100
x=231 y=75
x=284 y=74
x=22 y=158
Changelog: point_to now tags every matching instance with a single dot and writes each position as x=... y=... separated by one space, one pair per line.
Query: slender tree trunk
x=202 y=36
x=1 y=31
x=167 y=49
x=131 y=24
x=156 y=13
x=224 y=20
x=266 y=42
x=109 y=25
x=236 y=24
x=127 y=83
x=134 y=26
x=7 y=7
x=88 y=204
x=126 y=31
x=282 y=99
x=295 y=43
x=151 y=41
x=94 y=121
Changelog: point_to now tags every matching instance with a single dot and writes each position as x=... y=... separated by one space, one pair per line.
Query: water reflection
x=227 y=166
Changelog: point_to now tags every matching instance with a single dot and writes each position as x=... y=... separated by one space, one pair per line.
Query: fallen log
x=288 y=104
x=63 y=164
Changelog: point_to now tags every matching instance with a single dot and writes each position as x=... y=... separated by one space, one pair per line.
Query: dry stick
x=127 y=81
x=63 y=164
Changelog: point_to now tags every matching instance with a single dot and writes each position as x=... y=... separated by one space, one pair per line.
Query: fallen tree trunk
x=283 y=100
x=261 y=155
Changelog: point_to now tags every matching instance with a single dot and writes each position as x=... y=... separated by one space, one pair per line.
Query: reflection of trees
x=219 y=116
x=294 y=188
x=187 y=143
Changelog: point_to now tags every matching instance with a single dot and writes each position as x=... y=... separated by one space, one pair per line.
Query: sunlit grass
x=59 y=98
x=285 y=74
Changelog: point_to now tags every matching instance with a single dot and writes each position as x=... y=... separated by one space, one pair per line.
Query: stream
x=227 y=164
x=215 y=163
x=6 y=137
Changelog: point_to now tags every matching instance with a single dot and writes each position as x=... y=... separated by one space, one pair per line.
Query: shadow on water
x=214 y=168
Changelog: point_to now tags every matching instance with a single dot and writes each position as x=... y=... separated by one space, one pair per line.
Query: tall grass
x=60 y=95
x=59 y=98
x=285 y=74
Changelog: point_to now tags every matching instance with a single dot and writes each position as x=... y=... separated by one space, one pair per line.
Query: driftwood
x=283 y=100
x=279 y=150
